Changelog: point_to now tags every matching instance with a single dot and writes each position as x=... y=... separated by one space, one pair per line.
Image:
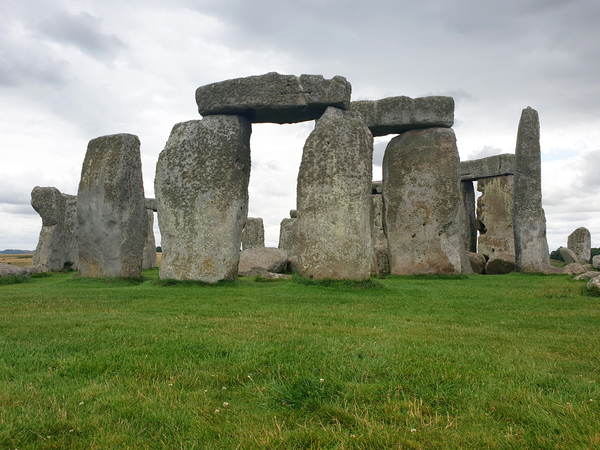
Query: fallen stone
x=551 y=270
x=111 y=208
x=596 y=261
x=265 y=258
x=495 y=216
x=492 y=166
x=594 y=285
x=580 y=242
x=574 y=269
x=500 y=264
x=568 y=255
x=424 y=215
x=149 y=254
x=253 y=234
x=257 y=271
x=587 y=275
x=395 y=115
x=274 y=98
x=334 y=199
x=477 y=261
x=201 y=187
x=9 y=269
x=288 y=236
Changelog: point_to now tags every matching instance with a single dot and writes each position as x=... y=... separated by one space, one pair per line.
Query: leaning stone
x=568 y=256
x=477 y=261
x=580 y=242
x=574 y=269
x=257 y=271
x=253 y=234
x=381 y=261
x=201 y=187
x=288 y=236
x=395 y=115
x=596 y=262
x=594 y=285
x=500 y=264
x=529 y=220
x=111 y=208
x=9 y=269
x=424 y=215
x=492 y=166
x=274 y=98
x=551 y=270
x=149 y=254
x=495 y=216
x=334 y=199
x=587 y=275
x=266 y=258
x=57 y=246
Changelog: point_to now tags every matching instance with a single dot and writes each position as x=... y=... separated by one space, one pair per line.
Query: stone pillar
x=495 y=216
x=381 y=263
x=529 y=220
x=467 y=195
x=334 y=199
x=253 y=235
x=580 y=243
x=201 y=187
x=57 y=246
x=288 y=236
x=149 y=255
x=423 y=212
x=111 y=209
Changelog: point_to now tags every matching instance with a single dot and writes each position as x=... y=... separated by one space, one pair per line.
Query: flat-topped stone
x=492 y=166
x=274 y=98
x=395 y=115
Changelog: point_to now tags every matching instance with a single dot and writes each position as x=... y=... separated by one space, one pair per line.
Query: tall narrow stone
x=529 y=220
x=201 y=187
x=57 y=246
x=381 y=262
x=423 y=212
x=288 y=236
x=580 y=243
x=495 y=216
x=149 y=255
x=467 y=195
x=111 y=208
x=253 y=235
x=334 y=199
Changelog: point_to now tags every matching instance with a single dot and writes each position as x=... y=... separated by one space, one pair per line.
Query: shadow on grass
x=115 y=281
x=190 y=283
x=13 y=279
x=339 y=284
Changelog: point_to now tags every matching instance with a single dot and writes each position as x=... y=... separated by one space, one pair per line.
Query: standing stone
x=149 y=255
x=580 y=242
x=253 y=235
x=334 y=199
x=57 y=247
x=423 y=213
x=288 y=236
x=495 y=216
x=529 y=220
x=201 y=187
x=111 y=208
x=467 y=195
x=381 y=262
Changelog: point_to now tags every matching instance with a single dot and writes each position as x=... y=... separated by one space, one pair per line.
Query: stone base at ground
x=477 y=261
x=500 y=264
x=265 y=258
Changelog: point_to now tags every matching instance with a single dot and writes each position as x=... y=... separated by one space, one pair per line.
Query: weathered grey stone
x=149 y=254
x=529 y=220
x=423 y=212
x=551 y=270
x=596 y=262
x=467 y=195
x=568 y=256
x=334 y=199
x=492 y=166
x=376 y=187
x=151 y=204
x=274 y=98
x=293 y=213
x=381 y=262
x=495 y=216
x=594 y=285
x=574 y=269
x=9 y=269
x=36 y=268
x=587 y=275
x=500 y=264
x=57 y=246
x=257 y=271
x=265 y=258
x=111 y=208
x=253 y=234
x=477 y=261
x=580 y=242
x=288 y=236
x=394 y=115
x=201 y=187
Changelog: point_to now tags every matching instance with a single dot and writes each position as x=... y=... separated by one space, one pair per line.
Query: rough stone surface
x=201 y=187
x=568 y=256
x=151 y=204
x=574 y=269
x=376 y=187
x=580 y=242
x=257 y=271
x=293 y=213
x=467 y=195
x=596 y=261
x=274 y=98
x=423 y=212
x=253 y=234
x=394 y=115
x=594 y=285
x=381 y=262
x=492 y=166
x=495 y=216
x=587 y=275
x=529 y=220
x=334 y=199
x=551 y=270
x=292 y=265
x=264 y=258
x=57 y=246
x=149 y=255
x=288 y=236
x=500 y=264
x=9 y=269
x=477 y=261
x=111 y=208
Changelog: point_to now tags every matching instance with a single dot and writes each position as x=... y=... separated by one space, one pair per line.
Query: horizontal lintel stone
x=492 y=166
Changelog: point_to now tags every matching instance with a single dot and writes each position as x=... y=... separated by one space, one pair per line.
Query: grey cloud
x=485 y=151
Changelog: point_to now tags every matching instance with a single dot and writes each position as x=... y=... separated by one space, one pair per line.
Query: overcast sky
x=71 y=71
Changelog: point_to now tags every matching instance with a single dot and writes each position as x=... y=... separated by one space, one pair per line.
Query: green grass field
x=411 y=363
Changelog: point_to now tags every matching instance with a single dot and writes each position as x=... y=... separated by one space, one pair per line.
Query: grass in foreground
x=477 y=361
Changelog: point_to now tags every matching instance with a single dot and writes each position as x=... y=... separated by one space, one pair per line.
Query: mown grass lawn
x=417 y=363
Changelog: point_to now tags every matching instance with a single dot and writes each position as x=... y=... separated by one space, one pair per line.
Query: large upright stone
x=395 y=115
x=111 y=208
x=201 y=187
x=529 y=220
x=57 y=246
x=381 y=260
x=274 y=98
x=423 y=212
x=149 y=255
x=580 y=243
x=495 y=216
x=288 y=236
x=334 y=199
x=253 y=235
